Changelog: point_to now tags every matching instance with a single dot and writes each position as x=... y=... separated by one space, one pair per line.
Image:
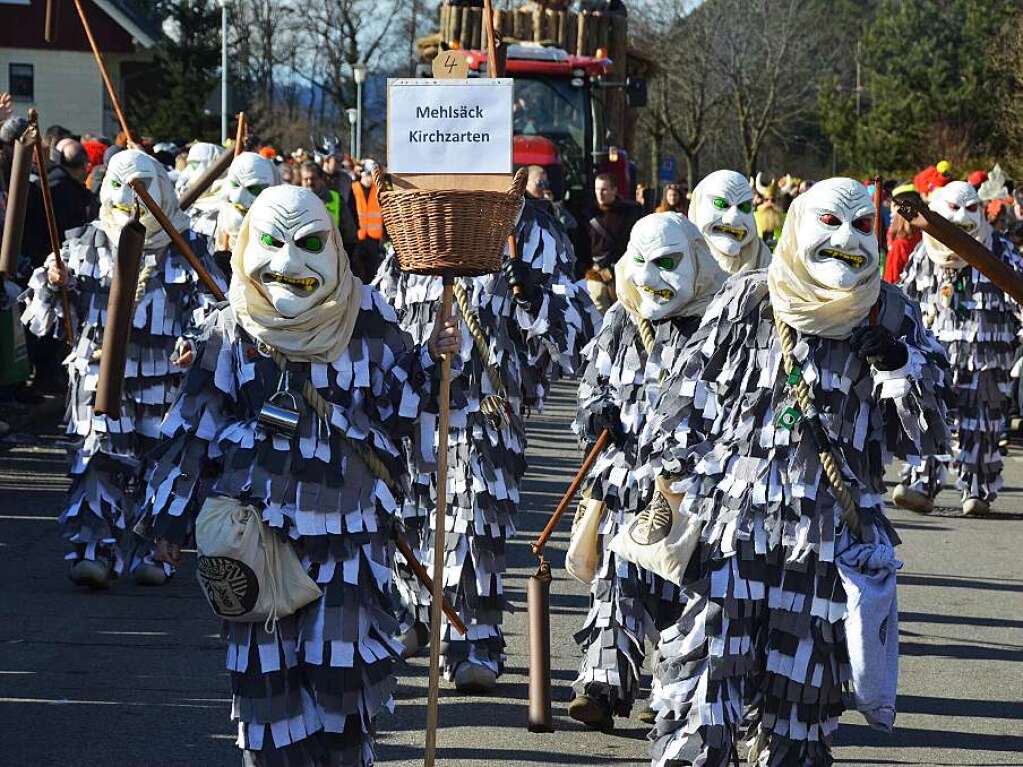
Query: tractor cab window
x=557 y=110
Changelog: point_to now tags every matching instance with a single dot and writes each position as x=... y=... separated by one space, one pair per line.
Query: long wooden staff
x=51 y=223
x=444 y=398
x=241 y=134
x=915 y=211
x=176 y=238
x=52 y=15
x=877 y=209
x=217 y=169
x=103 y=72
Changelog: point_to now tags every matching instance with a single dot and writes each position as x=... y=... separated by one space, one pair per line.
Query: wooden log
x=563 y=29
x=581 y=27
x=455 y=25
x=521 y=20
x=537 y=24
x=477 y=28
x=465 y=34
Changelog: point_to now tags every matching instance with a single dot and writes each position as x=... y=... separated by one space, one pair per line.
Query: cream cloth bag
x=247 y=572
x=661 y=538
x=583 y=556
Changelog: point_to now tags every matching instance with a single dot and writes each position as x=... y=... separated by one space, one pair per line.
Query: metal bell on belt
x=278 y=418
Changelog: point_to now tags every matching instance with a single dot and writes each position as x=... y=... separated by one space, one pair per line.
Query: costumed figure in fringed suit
x=107 y=461
x=201 y=155
x=247 y=176
x=515 y=346
x=722 y=209
x=979 y=326
x=307 y=686
x=765 y=621
x=664 y=282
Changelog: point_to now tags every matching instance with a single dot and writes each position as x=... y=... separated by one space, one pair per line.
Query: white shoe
x=474 y=678
x=973 y=507
x=94 y=573
x=907 y=498
x=149 y=575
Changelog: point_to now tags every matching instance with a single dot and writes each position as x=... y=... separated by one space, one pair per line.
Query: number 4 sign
x=450 y=65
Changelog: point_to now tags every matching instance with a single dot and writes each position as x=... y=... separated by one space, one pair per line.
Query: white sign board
x=449 y=126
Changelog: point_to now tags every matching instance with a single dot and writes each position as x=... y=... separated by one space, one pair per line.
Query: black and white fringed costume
x=307 y=691
x=979 y=326
x=664 y=282
x=528 y=344
x=765 y=617
x=107 y=460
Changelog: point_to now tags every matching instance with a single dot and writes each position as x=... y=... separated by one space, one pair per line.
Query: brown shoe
x=593 y=712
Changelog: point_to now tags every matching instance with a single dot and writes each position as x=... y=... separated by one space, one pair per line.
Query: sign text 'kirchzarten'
x=449 y=126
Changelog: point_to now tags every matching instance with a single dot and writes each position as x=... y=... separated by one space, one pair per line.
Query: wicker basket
x=460 y=233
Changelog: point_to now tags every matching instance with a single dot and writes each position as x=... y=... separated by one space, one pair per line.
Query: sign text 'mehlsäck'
x=449 y=126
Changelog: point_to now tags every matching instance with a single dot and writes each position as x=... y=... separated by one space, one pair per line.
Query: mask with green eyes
x=661 y=264
x=291 y=251
x=722 y=209
x=248 y=175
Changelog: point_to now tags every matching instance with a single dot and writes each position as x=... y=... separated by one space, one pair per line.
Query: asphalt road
x=134 y=677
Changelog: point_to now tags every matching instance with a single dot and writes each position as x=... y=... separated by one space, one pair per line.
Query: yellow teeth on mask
x=855 y=260
x=663 y=294
x=124 y=208
x=732 y=231
x=966 y=226
x=240 y=208
x=308 y=284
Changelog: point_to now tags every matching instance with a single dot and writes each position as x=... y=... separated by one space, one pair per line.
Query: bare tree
x=686 y=92
x=343 y=33
x=769 y=63
x=262 y=32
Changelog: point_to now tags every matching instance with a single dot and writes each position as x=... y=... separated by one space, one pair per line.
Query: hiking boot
x=973 y=507
x=913 y=500
x=94 y=573
x=594 y=712
x=474 y=678
x=645 y=714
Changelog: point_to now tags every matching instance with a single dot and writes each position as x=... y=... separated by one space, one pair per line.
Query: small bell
x=280 y=413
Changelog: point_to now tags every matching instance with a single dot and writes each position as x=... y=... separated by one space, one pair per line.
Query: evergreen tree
x=185 y=71
x=930 y=84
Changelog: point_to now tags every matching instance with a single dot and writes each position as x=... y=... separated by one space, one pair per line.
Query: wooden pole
x=103 y=72
x=179 y=242
x=51 y=222
x=591 y=457
x=50 y=26
x=915 y=211
x=440 y=517
x=241 y=134
x=424 y=578
x=488 y=26
x=17 y=201
x=205 y=181
x=877 y=209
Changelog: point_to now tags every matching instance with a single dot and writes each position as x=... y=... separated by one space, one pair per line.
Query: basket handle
x=378 y=178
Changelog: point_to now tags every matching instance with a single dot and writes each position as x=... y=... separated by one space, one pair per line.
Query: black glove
x=523 y=284
x=607 y=417
x=879 y=347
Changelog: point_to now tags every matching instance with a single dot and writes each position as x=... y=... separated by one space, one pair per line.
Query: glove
x=520 y=278
x=607 y=417
x=879 y=347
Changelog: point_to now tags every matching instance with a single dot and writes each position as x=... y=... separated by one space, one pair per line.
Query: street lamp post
x=223 y=72
x=359 y=73
x=353 y=117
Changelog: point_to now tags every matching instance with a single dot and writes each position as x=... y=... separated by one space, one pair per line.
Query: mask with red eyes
x=960 y=204
x=836 y=238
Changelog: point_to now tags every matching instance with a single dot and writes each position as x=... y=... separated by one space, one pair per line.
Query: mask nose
x=731 y=216
x=843 y=239
x=285 y=260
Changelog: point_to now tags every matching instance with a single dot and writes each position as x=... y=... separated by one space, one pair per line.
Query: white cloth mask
x=117 y=198
x=722 y=209
x=200 y=156
x=248 y=175
x=959 y=203
x=667 y=269
x=823 y=278
x=291 y=284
